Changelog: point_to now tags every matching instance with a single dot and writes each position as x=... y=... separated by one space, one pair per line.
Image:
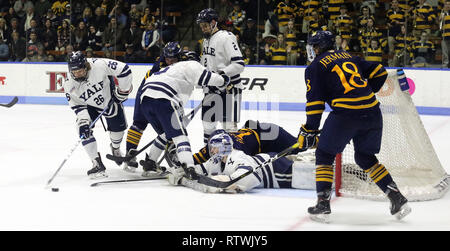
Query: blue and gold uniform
x=254 y=138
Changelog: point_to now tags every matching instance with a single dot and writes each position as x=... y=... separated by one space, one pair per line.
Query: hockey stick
x=188 y=118
x=76 y=145
x=13 y=102
x=225 y=184
x=126 y=181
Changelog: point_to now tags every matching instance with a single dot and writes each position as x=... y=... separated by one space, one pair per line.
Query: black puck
x=55 y=189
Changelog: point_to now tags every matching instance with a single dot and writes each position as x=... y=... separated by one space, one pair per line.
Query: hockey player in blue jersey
x=255 y=137
x=348 y=85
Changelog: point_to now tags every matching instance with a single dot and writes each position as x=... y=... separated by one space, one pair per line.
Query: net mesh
x=406 y=152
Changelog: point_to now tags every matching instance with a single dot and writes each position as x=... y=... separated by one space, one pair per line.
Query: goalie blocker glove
x=308 y=138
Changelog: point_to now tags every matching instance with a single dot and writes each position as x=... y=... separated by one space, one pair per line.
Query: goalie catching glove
x=308 y=138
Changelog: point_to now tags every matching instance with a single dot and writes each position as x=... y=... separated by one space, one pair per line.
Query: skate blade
x=321 y=218
x=99 y=175
x=404 y=211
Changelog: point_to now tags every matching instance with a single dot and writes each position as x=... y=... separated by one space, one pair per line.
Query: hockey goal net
x=406 y=152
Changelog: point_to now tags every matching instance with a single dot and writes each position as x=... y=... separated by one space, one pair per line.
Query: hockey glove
x=308 y=138
x=226 y=80
x=120 y=96
x=85 y=131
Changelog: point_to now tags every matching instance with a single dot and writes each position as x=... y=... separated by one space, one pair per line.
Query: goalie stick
x=134 y=152
x=126 y=180
x=76 y=145
x=13 y=102
x=205 y=180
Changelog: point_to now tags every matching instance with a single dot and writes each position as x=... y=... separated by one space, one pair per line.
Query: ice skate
x=116 y=152
x=399 y=207
x=151 y=168
x=130 y=165
x=99 y=170
x=321 y=211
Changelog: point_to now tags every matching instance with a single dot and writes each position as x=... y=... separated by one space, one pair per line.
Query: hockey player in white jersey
x=227 y=163
x=220 y=54
x=162 y=100
x=89 y=88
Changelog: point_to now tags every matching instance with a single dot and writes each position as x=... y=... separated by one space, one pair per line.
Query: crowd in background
x=395 y=32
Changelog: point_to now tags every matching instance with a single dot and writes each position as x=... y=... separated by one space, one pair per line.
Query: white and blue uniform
x=221 y=54
x=282 y=173
x=162 y=98
x=89 y=97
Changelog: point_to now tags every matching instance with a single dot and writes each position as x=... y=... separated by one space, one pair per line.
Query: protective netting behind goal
x=406 y=152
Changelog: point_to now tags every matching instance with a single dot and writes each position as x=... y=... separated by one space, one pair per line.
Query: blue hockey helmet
x=76 y=62
x=220 y=144
x=172 y=50
x=207 y=15
x=322 y=39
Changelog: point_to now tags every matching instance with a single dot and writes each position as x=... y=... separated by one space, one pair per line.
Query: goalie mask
x=220 y=145
x=77 y=66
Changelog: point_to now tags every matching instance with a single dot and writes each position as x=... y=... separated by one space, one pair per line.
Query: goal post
x=406 y=152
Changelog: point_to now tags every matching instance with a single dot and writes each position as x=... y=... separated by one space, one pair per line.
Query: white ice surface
x=35 y=139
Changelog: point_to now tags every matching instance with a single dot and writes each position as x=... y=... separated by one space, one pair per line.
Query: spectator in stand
x=32 y=51
x=107 y=5
x=249 y=56
x=370 y=33
x=112 y=36
x=133 y=36
x=249 y=33
x=407 y=5
x=80 y=37
x=20 y=7
x=307 y=10
x=344 y=24
x=11 y=15
x=33 y=27
x=316 y=22
x=94 y=39
x=41 y=54
x=340 y=44
x=251 y=8
x=65 y=56
x=50 y=58
x=100 y=20
x=277 y=53
x=362 y=19
x=237 y=16
x=89 y=53
x=121 y=18
x=63 y=36
x=149 y=42
x=134 y=13
x=130 y=55
x=423 y=17
x=28 y=17
x=68 y=14
x=4 y=31
x=146 y=18
x=291 y=38
x=48 y=36
x=4 y=50
x=53 y=19
x=374 y=53
x=87 y=17
x=285 y=11
x=17 y=45
x=396 y=17
x=15 y=27
x=422 y=51
x=444 y=25
x=33 y=39
x=402 y=48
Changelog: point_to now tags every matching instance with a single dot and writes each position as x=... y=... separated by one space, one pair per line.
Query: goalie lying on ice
x=226 y=164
